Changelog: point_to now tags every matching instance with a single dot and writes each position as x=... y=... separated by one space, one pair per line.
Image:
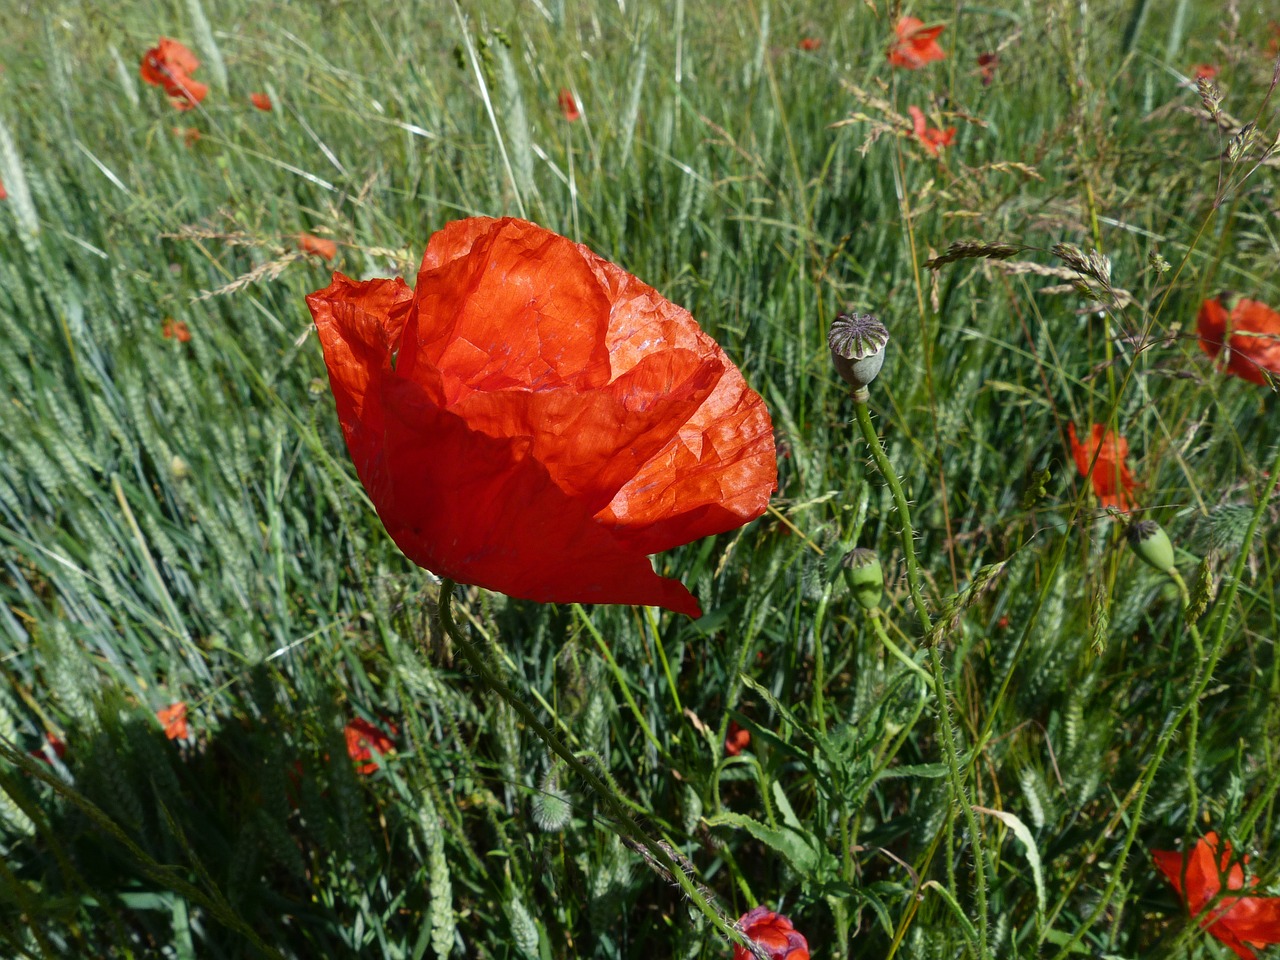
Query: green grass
x=179 y=521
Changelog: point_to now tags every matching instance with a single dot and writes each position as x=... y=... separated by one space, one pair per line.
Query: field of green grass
x=180 y=521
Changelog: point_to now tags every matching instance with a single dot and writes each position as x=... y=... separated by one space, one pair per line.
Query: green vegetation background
x=179 y=521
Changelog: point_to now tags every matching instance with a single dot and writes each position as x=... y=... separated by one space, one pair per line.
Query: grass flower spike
x=535 y=420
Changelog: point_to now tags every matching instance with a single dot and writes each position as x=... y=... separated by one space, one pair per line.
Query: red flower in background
x=774 y=933
x=364 y=740
x=932 y=138
x=1112 y=481
x=52 y=745
x=535 y=420
x=1251 y=331
x=1204 y=71
x=4 y=194
x=317 y=246
x=188 y=135
x=915 y=44
x=174 y=720
x=170 y=65
x=987 y=63
x=569 y=105
x=1239 y=922
x=260 y=100
x=810 y=43
x=737 y=739
x=175 y=330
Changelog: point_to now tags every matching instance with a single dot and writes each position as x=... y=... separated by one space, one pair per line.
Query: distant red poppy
x=737 y=739
x=1273 y=45
x=317 y=246
x=569 y=105
x=915 y=44
x=260 y=100
x=188 y=135
x=52 y=745
x=932 y=138
x=535 y=420
x=1239 y=922
x=810 y=43
x=1251 y=331
x=1112 y=480
x=987 y=63
x=175 y=330
x=4 y=194
x=170 y=65
x=774 y=933
x=174 y=720
x=1203 y=71
x=364 y=740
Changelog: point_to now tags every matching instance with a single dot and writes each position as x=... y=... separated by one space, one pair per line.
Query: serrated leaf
x=800 y=850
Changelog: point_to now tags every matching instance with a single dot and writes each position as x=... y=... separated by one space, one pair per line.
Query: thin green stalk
x=1222 y=613
x=623 y=821
x=958 y=782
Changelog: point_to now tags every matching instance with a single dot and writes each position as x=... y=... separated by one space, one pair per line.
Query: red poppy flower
x=175 y=330
x=1273 y=45
x=1251 y=331
x=810 y=43
x=987 y=63
x=317 y=246
x=170 y=65
x=569 y=105
x=737 y=740
x=260 y=100
x=364 y=740
x=1112 y=481
x=535 y=420
x=1204 y=71
x=188 y=135
x=915 y=44
x=52 y=745
x=932 y=138
x=4 y=194
x=1239 y=922
x=774 y=933
x=174 y=720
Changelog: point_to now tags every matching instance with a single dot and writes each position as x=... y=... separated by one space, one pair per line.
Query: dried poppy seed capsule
x=1151 y=543
x=863 y=576
x=857 y=343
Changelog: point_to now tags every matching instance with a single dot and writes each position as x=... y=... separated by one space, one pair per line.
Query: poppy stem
x=655 y=851
x=946 y=728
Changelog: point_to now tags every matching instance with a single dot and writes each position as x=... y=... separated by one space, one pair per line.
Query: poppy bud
x=857 y=343
x=863 y=576
x=1151 y=544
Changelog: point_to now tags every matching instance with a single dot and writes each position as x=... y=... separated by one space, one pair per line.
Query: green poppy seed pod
x=863 y=576
x=1151 y=544
x=857 y=342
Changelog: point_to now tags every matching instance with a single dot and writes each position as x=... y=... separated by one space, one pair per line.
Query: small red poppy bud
x=863 y=576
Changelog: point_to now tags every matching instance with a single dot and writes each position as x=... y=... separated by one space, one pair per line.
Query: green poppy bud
x=863 y=576
x=1151 y=544
x=857 y=343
